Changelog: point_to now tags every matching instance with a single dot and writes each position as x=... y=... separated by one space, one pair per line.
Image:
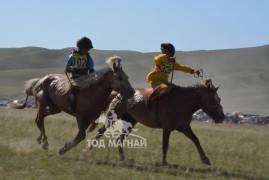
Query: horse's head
x=211 y=103
x=120 y=82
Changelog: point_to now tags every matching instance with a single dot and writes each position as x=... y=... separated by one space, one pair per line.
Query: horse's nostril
x=221 y=116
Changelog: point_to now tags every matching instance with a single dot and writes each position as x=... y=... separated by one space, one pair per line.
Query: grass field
x=235 y=151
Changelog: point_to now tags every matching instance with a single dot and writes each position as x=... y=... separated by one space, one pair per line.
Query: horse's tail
x=29 y=90
x=92 y=127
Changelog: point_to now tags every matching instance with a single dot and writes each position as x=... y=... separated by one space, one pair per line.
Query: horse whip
x=172 y=75
x=68 y=77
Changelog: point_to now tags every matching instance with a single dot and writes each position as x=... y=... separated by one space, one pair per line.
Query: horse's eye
x=212 y=99
x=119 y=77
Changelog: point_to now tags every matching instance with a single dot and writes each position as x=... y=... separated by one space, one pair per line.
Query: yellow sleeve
x=183 y=68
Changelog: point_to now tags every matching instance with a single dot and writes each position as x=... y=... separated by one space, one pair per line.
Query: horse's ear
x=216 y=89
x=119 y=64
x=208 y=83
x=210 y=86
x=114 y=66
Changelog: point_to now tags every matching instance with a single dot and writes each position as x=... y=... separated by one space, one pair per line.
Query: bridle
x=205 y=104
x=103 y=87
x=201 y=75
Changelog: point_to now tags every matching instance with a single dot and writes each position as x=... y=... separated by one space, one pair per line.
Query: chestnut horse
x=172 y=111
x=52 y=93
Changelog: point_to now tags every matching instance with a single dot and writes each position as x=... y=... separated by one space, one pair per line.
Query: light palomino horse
x=52 y=93
x=172 y=111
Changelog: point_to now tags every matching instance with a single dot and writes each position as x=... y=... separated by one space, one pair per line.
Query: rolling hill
x=243 y=74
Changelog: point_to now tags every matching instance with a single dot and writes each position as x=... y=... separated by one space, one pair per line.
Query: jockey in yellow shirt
x=164 y=65
x=79 y=63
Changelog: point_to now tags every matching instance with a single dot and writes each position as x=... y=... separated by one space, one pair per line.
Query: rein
x=101 y=85
x=172 y=75
x=204 y=104
x=68 y=78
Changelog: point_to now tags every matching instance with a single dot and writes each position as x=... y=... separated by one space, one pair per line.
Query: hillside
x=243 y=74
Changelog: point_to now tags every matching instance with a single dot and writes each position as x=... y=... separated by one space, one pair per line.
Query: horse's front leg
x=166 y=135
x=99 y=134
x=83 y=124
x=187 y=131
x=125 y=133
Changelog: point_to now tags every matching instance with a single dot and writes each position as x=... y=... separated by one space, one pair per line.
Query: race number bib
x=166 y=67
x=79 y=61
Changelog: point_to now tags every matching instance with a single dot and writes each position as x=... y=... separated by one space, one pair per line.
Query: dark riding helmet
x=169 y=47
x=84 y=43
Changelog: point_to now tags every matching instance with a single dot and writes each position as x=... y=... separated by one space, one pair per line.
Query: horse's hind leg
x=187 y=131
x=42 y=113
x=42 y=138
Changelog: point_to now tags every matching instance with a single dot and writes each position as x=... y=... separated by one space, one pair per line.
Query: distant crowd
x=6 y=102
x=235 y=118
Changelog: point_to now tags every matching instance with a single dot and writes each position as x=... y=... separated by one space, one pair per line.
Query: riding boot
x=155 y=94
x=73 y=101
x=151 y=97
x=72 y=104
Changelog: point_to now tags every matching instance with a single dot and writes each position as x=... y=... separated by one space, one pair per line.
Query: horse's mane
x=110 y=61
x=87 y=80
x=197 y=88
x=183 y=91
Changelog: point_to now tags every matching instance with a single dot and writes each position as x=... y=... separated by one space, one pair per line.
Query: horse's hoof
x=165 y=164
x=206 y=161
x=62 y=151
x=87 y=151
x=122 y=158
x=39 y=139
x=45 y=145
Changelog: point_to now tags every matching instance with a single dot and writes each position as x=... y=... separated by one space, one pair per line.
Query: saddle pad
x=148 y=92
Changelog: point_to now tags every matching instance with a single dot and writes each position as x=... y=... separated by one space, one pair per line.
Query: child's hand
x=197 y=72
x=70 y=69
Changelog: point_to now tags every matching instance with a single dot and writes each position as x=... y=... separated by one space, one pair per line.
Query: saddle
x=148 y=92
x=157 y=93
x=153 y=94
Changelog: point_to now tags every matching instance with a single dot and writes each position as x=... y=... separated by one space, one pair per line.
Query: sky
x=136 y=25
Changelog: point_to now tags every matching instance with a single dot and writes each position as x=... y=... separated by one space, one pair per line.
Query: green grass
x=236 y=152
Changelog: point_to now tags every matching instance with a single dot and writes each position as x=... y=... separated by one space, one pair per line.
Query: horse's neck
x=103 y=88
x=105 y=82
x=193 y=97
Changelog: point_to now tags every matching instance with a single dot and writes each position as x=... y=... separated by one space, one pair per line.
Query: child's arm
x=90 y=65
x=183 y=68
x=68 y=66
